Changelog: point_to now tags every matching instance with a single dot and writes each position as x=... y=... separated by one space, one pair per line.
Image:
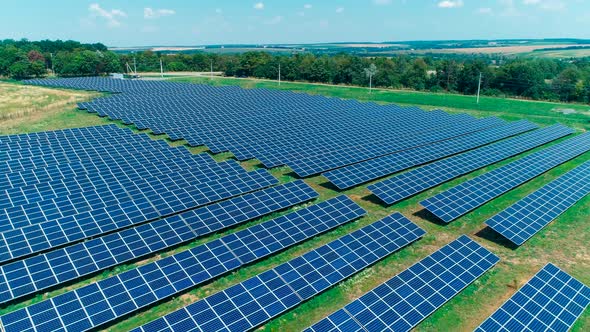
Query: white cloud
x=307 y=6
x=450 y=4
x=550 y=5
x=111 y=16
x=259 y=6
x=274 y=20
x=485 y=11
x=381 y=2
x=509 y=8
x=339 y=10
x=150 y=13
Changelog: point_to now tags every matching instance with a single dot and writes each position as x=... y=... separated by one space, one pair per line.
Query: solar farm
x=219 y=208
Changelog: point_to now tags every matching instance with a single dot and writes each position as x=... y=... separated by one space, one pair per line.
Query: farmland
x=564 y=242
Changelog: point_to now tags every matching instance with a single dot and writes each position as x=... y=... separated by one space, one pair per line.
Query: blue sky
x=187 y=22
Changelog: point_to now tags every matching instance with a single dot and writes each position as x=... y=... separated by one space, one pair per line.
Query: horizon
x=232 y=22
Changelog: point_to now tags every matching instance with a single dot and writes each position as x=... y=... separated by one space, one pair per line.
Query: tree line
x=533 y=78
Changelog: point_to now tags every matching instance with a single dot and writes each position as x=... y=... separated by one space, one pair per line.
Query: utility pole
x=372 y=70
x=478 y=87
x=134 y=65
x=211 y=73
x=279 y=72
x=161 y=68
x=52 y=67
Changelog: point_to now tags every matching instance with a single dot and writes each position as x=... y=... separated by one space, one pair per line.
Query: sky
x=192 y=22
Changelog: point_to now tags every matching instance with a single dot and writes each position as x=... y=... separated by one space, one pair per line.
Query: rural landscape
x=271 y=174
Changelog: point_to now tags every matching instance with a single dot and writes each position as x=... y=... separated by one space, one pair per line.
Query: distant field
x=564 y=242
x=386 y=48
x=571 y=53
x=508 y=50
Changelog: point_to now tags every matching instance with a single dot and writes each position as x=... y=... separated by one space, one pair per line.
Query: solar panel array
x=66 y=186
x=37 y=273
x=428 y=176
x=114 y=297
x=403 y=301
x=359 y=173
x=310 y=134
x=521 y=221
x=258 y=299
x=551 y=301
x=455 y=202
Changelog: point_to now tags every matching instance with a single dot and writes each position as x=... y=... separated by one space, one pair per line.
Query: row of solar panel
x=109 y=299
x=551 y=301
x=359 y=173
x=36 y=273
x=333 y=133
x=44 y=235
x=468 y=195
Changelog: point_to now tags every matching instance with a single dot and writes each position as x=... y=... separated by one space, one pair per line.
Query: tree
x=20 y=69
x=565 y=83
x=37 y=68
x=370 y=72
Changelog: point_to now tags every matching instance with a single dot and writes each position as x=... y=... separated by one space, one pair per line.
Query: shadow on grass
x=491 y=235
x=372 y=198
x=429 y=216
x=330 y=186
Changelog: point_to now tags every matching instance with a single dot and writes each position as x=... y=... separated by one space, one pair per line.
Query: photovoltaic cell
x=131 y=290
x=459 y=200
x=258 y=299
x=551 y=301
x=40 y=272
x=521 y=221
x=405 y=300
x=428 y=176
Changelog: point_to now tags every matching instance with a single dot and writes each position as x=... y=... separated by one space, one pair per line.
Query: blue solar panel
x=311 y=134
x=355 y=174
x=46 y=235
x=405 y=300
x=422 y=178
x=40 y=272
x=521 y=221
x=551 y=301
x=258 y=299
x=307 y=166
x=457 y=201
x=131 y=290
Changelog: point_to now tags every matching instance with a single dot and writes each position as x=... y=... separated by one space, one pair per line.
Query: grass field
x=570 y=53
x=564 y=242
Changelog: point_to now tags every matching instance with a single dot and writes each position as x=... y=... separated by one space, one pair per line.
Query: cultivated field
x=564 y=242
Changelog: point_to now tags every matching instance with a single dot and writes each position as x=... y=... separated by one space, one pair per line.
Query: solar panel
x=551 y=301
x=521 y=221
x=258 y=299
x=324 y=162
x=405 y=300
x=404 y=185
x=457 y=201
x=311 y=134
x=131 y=290
x=356 y=174
x=40 y=272
x=38 y=237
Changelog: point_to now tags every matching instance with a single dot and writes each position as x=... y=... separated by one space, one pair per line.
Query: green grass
x=563 y=242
